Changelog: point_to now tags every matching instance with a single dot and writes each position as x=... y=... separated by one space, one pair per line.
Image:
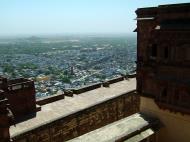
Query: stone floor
x=69 y=105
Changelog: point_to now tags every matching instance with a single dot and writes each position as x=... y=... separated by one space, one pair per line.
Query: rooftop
x=62 y=108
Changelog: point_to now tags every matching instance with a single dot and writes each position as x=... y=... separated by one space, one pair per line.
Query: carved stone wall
x=163 y=63
x=84 y=121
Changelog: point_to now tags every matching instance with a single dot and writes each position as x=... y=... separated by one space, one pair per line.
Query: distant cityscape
x=62 y=62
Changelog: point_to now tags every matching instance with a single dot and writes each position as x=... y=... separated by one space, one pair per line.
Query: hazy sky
x=71 y=16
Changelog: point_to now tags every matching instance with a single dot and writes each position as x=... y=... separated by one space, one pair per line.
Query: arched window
x=153 y=51
x=166 y=52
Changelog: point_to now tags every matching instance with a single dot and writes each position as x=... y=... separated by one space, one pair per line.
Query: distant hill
x=33 y=39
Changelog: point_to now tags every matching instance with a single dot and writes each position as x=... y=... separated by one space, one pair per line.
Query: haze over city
x=21 y=17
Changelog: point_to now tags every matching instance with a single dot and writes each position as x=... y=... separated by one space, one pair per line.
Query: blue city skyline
x=35 y=17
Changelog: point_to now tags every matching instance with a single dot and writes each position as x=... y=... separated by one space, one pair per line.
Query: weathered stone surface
x=93 y=110
x=20 y=94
